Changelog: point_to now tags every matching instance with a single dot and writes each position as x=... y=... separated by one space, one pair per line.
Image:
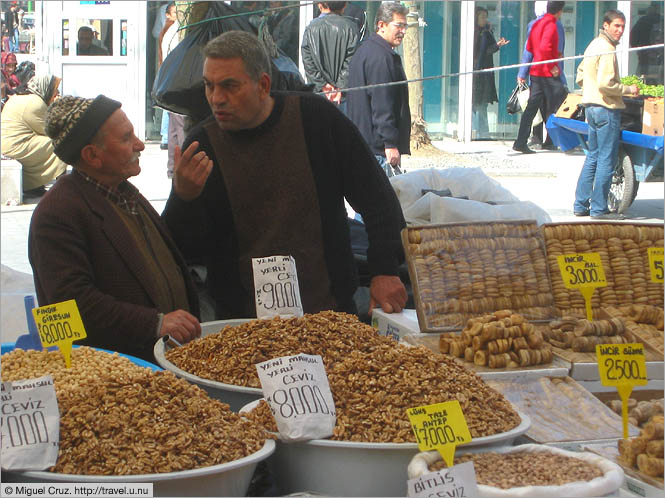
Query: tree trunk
x=413 y=69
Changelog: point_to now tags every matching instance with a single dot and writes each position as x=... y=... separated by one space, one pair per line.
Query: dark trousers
x=552 y=91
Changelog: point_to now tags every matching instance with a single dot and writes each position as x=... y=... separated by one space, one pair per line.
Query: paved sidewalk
x=547 y=178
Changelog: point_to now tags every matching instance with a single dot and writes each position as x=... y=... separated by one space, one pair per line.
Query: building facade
x=127 y=31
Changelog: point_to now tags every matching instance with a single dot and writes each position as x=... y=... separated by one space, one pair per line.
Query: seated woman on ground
x=24 y=138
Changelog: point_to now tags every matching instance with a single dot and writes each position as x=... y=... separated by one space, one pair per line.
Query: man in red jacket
x=543 y=43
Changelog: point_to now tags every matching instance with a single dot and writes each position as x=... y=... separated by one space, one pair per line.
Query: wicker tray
x=623 y=251
x=462 y=270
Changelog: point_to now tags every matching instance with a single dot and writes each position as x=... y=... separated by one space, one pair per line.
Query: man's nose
x=139 y=145
x=219 y=96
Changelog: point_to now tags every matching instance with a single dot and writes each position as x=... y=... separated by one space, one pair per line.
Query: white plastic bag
x=473 y=183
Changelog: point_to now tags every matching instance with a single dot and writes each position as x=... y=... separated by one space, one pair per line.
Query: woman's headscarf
x=43 y=85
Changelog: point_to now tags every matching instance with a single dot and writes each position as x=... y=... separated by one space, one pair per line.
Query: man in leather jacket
x=329 y=42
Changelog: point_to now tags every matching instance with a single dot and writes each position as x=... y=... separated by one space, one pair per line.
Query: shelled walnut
x=373 y=390
x=117 y=418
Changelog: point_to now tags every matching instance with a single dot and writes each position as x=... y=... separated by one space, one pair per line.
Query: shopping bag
x=514 y=103
x=523 y=97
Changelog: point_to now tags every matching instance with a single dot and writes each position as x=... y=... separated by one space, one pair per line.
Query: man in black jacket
x=328 y=45
x=382 y=113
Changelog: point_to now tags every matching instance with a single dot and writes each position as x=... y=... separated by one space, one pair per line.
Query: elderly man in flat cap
x=95 y=239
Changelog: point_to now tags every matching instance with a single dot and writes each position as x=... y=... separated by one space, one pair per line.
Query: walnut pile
x=117 y=418
x=230 y=355
x=373 y=390
x=522 y=468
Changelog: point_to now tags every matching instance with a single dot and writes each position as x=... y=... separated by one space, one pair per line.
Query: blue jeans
x=13 y=41
x=593 y=185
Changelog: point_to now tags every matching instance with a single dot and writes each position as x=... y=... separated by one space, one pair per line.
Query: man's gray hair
x=387 y=10
x=241 y=44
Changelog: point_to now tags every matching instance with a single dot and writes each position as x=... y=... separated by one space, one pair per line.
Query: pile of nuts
x=117 y=418
x=230 y=355
x=373 y=390
x=498 y=340
x=463 y=270
x=623 y=250
x=525 y=468
x=645 y=451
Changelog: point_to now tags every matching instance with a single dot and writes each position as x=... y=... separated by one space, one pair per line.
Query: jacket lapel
x=118 y=235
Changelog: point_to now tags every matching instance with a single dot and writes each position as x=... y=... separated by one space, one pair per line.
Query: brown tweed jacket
x=79 y=248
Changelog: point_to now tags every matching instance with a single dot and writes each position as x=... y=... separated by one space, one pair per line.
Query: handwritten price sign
x=59 y=325
x=583 y=271
x=440 y=427
x=656 y=264
x=622 y=366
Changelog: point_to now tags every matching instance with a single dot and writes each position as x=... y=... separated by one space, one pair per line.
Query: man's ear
x=90 y=155
x=264 y=84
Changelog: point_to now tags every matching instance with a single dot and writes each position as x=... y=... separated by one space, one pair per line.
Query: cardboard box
x=652 y=117
x=569 y=106
x=395 y=325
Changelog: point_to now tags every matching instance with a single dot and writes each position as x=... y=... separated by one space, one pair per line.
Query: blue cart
x=640 y=158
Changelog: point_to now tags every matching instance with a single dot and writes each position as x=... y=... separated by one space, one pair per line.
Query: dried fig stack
x=502 y=339
x=645 y=451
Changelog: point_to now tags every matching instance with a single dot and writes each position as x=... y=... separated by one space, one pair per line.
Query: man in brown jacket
x=95 y=239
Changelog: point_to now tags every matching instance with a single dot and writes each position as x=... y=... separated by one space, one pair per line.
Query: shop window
x=89 y=37
x=647 y=29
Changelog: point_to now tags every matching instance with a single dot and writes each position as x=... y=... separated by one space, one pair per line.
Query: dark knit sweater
x=342 y=167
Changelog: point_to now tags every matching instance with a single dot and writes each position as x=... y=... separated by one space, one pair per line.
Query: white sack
x=473 y=183
x=611 y=480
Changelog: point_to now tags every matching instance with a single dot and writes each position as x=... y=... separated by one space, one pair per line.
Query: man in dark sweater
x=267 y=175
x=382 y=113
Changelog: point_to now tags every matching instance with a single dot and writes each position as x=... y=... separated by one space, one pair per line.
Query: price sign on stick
x=583 y=271
x=622 y=366
x=440 y=427
x=656 y=264
x=59 y=325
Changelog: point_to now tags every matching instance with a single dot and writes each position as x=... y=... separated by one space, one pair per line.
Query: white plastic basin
x=226 y=479
x=235 y=396
x=345 y=468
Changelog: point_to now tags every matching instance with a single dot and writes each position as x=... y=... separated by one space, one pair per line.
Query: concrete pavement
x=547 y=178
